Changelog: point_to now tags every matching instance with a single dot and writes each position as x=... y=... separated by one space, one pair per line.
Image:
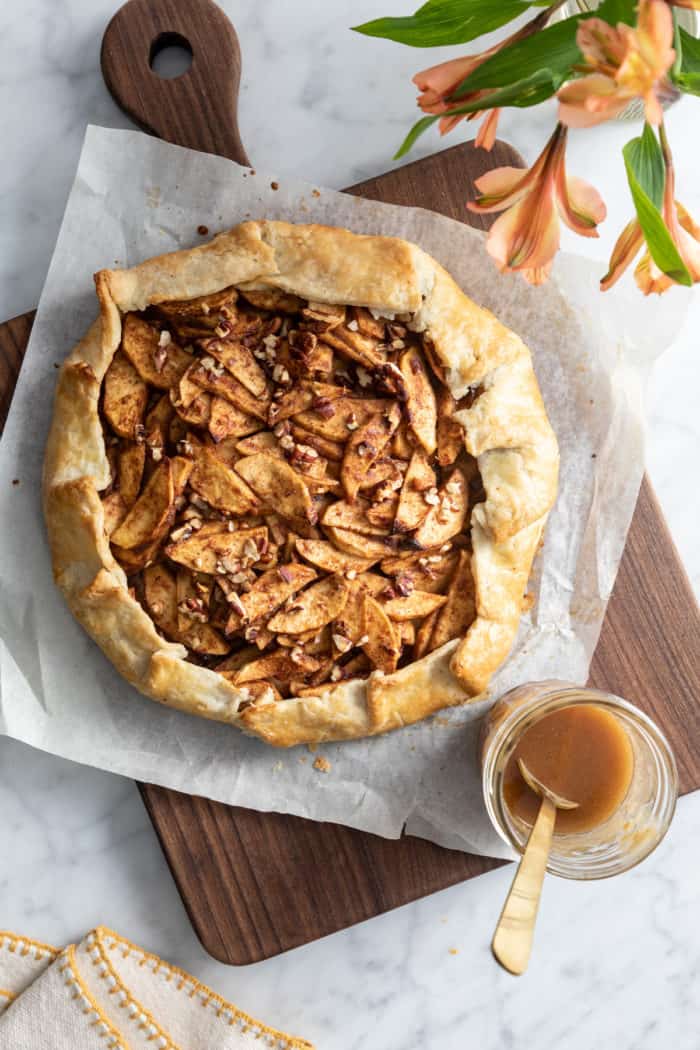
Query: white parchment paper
x=135 y=196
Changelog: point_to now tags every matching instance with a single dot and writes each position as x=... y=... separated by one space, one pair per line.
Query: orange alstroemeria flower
x=526 y=236
x=623 y=63
x=438 y=83
x=685 y=234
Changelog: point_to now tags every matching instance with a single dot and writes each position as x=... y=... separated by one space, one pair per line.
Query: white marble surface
x=616 y=963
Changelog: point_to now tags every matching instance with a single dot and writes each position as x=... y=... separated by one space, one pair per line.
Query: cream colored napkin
x=107 y=994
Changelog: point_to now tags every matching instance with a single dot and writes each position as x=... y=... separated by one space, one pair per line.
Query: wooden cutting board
x=256 y=884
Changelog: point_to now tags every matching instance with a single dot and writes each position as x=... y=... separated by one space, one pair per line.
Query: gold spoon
x=512 y=941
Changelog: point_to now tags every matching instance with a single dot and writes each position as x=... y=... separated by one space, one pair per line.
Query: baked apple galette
x=296 y=480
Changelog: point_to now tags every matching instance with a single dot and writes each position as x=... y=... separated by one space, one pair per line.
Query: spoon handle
x=512 y=941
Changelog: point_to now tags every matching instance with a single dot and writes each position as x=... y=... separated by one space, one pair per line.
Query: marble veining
x=616 y=963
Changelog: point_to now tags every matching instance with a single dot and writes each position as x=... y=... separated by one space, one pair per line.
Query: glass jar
x=633 y=830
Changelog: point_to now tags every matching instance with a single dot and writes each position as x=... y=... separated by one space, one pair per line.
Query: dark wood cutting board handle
x=199 y=108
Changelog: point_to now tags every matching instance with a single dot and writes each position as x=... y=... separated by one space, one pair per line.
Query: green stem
x=665 y=147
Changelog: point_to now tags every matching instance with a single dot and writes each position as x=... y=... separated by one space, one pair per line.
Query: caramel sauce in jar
x=591 y=747
x=582 y=752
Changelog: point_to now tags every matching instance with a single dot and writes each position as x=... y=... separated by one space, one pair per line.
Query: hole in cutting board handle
x=170 y=56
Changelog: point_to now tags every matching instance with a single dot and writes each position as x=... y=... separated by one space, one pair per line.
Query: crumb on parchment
x=322 y=764
x=453 y=951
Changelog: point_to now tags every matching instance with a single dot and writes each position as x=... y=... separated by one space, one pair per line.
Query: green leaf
x=553 y=48
x=644 y=157
x=527 y=92
x=614 y=11
x=415 y=133
x=441 y=22
x=687 y=77
x=689 y=82
x=661 y=247
x=690 y=45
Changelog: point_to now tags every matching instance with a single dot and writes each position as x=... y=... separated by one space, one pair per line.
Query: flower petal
x=600 y=43
x=580 y=205
x=590 y=100
x=684 y=239
x=538 y=275
x=684 y=217
x=689 y=250
x=486 y=135
x=445 y=77
x=585 y=199
x=626 y=247
x=583 y=91
x=653 y=112
x=431 y=102
x=500 y=188
x=655 y=36
x=448 y=123
x=525 y=237
x=649 y=277
x=575 y=117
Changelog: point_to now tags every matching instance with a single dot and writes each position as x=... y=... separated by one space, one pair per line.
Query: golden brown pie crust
x=505 y=428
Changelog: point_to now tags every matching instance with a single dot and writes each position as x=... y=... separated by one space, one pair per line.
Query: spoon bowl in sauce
x=538 y=788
